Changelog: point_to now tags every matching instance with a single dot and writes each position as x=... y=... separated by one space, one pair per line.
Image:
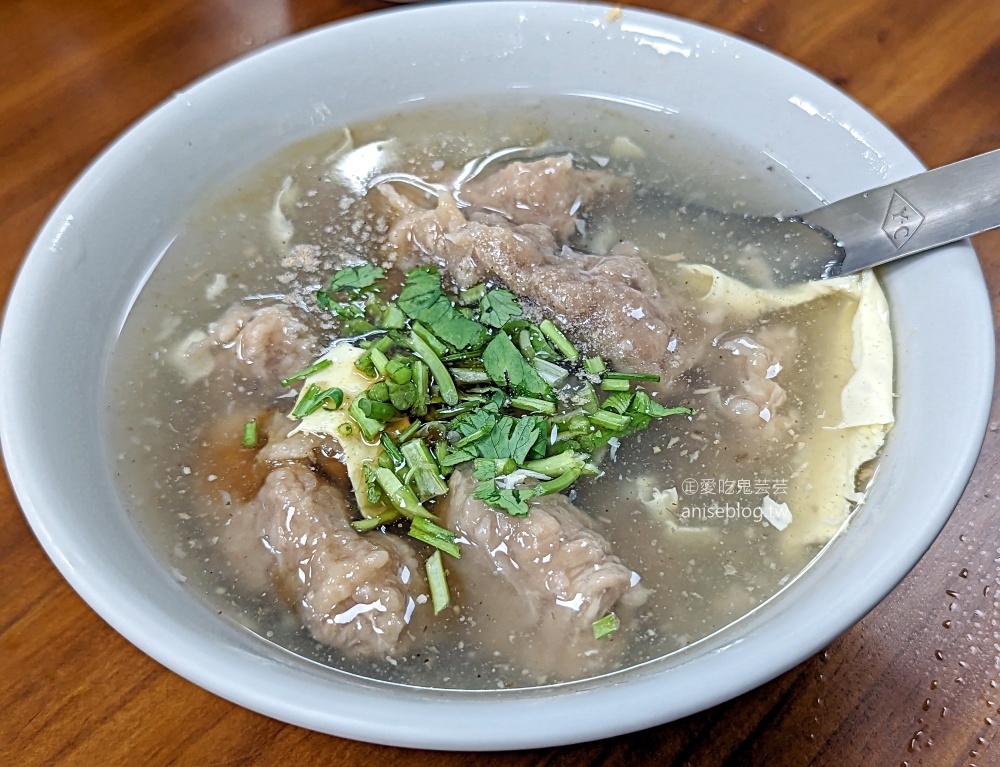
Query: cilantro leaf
x=355 y=278
x=481 y=420
x=509 y=438
x=514 y=502
x=423 y=299
x=498 y=307
x=505 y=500
x=618 y=402
x=508 y=367
x=456 y=457
x=484 y=470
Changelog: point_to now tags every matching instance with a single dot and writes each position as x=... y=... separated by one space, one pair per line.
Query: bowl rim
x=613 y=704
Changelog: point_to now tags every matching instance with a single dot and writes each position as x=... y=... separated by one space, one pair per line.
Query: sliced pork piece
x=754 y=360
x=609 y=305
x=260 y=344
x=550 y=192
x=270 y=342
x=361 y=594
x=534 y=586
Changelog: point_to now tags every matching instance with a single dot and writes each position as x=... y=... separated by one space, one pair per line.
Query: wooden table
x=914 y=683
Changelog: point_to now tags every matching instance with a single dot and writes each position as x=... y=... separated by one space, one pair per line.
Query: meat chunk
x=610 y=305
x=534 y=585
x=269 y=342
x=266 y=344
x=361 y=594
x=549 y=192
x=753 y=360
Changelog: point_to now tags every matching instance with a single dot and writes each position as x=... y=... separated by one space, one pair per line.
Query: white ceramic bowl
x=104 y=236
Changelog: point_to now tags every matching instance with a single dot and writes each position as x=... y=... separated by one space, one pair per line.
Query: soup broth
x=712 y=514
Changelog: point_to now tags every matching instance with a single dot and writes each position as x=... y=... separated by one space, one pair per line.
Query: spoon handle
x=921 y=212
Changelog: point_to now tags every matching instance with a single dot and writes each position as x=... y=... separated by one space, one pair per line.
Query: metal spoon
x=910 y=216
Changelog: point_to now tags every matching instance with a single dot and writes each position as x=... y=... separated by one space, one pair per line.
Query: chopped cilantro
x=606 y=626
x=250 y=434
x=498 y=307
x=435 y=535
x=467 y=379
x=509 y=438
x=508 y=367
x=313 y=397
x=440 y=596
x=306 y=372
x=423 y=299
x=514 y=502
x=353 y=278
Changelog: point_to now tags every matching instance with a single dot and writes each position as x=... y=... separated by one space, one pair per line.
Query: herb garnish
x=465 y=378
x=606 y=626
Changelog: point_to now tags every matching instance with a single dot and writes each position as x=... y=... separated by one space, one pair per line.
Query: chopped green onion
x=472 y=295
x=345 y=430
x=379 y=360
x=615 y=384
x=390 y=448
x=313 y=397
x=306 y=372
x=555 y=465
x=392 y=318
x=380 y=392
x=525 y=345
x=611 y=376
x=533 y=405
x=643 y=403
x=402 y=396
x=470 y=376
x=441 y=452
x=473 y=354
x=586 y=398
x=560 y=483
x=423 y=470
x=435 y=535
x=551 y=373
x=370 y=428
x=421 y=383
x=606 y=626
x=408 y=432
x=610 y=420
x=398 y=371
x=444 y=380
x=364 y=362
x=440 y=597
x=594 y=365
x=399 y=495
x=499 y=467
x=361 y=525
x=250 y=433
x=464 y=406
x=380 y=411
x=558 y=340
x=428 y=337
x=373 y=492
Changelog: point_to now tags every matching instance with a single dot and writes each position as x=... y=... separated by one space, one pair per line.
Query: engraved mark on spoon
x=901 y=220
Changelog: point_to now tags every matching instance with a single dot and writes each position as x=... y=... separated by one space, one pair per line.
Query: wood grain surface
x=915 y=683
